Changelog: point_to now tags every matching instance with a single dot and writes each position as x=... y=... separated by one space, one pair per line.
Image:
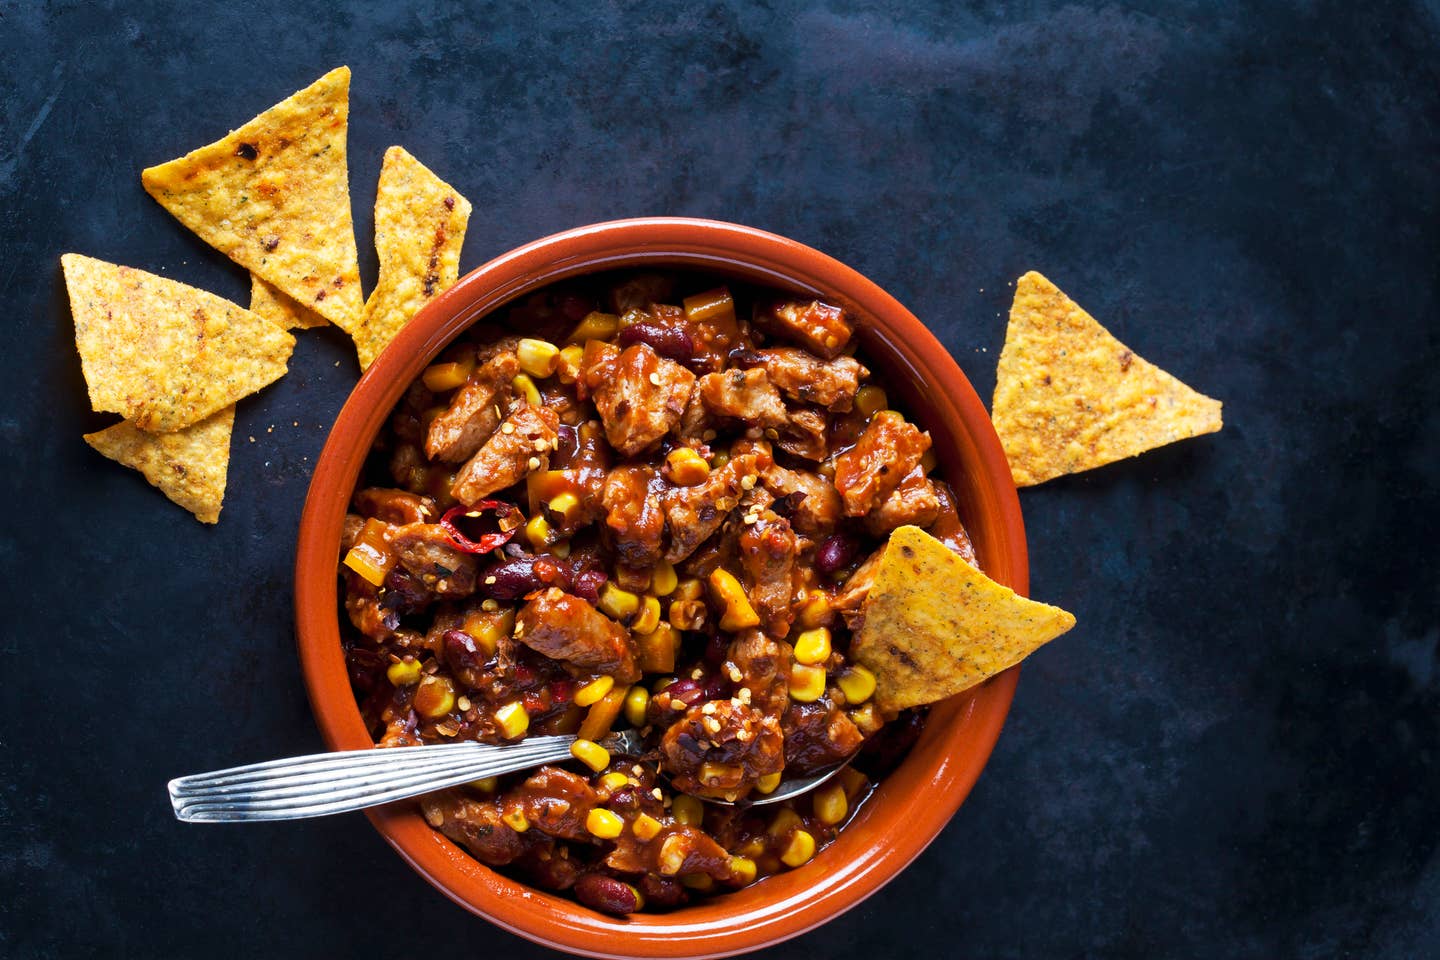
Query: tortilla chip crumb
x=189 y=466
x=1070 y=397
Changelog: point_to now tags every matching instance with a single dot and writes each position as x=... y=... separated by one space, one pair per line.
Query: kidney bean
x=687 y=691
x=606 y=894
x=836 y=552
x=587 y=583
x=672 y=342
x=462 y=653
x=715 y=650
x=567 y=445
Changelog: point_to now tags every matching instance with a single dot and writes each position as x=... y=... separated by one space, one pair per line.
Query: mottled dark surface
x=1234 y=754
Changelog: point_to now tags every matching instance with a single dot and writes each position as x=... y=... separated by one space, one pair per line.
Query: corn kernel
x=689 y=589
x=649 y=617
x=663 y=579
x=370 y=563
x=402 y=673
x=853 y=780
x=486 y=784
x=526 y=388
x=513 y=720
x=813 y=646
x=591 y=754
x=767 y=783
x=655 y=651
x=686 y=467
x=857 y=684
x=593 y=691
x=752 y=848
x=434 y=698
x=516 y=820
x=604 y=824
x=538 y=358
x=743 y=870
x=688 y=810
x=661 y=684
x=719 y=459
x=785 y=820
x=568 y=363
x=738 y=614
x=538 y=532
x=815 y=611
x=441 y=377
x=600 y=716
x=830 y=804
x=799 y=850
x=807 y=683
x=614 y=780
x=566 y=506
x=869 y=400
x=637 y=701
x=710 y=305
x=928 y=461
x=645 y=827
x=866 y=719
x=618 y=603
x=697 y=881
x=560 y=549
x=595 y=326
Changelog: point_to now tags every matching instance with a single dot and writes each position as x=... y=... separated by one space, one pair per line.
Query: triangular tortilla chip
x=419 y=227
x=281 y=308
x=188 y=466
x=934 y=625
x=274 y=196
x=1070 y=397
x=162 y=354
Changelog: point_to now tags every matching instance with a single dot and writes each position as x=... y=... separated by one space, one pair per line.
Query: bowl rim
x=912 y=804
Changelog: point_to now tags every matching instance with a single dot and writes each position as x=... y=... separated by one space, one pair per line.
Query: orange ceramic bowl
x=910 y=806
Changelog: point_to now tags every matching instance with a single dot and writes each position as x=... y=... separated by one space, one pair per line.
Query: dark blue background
x=1234 y=753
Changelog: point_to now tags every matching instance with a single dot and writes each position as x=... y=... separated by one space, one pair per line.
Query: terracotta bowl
x=910 y=807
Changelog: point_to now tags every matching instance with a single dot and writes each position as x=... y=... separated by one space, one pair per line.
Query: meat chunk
x=914 y=501
x=720 y=748
x=427 y=551
x=694 y=513
x=816 y=510
x=821 y=328
x=639 y=394
x=474 y=824
x=764 y=667
x=767 y=551
x=803 y=435
x=518 y=448
x=851 y=597
x=817 y=735
x=633 y=514
x=746 y=395
x=474 y=411
x=947 y=527
x=889 y=449
x=695 y=423
x=394 y=506
x=808 y=379
x=563 y=627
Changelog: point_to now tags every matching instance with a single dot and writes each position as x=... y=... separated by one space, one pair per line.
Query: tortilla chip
x=934 y=625
x=162 y=354
x=274 y=196
x=1070 y=397
x=188 y=466
x=419 y=227
x=281 y=308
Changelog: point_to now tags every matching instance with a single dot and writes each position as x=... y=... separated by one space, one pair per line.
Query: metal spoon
x=325 y=783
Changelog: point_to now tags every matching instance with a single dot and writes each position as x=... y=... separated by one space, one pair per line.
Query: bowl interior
x=910 y=806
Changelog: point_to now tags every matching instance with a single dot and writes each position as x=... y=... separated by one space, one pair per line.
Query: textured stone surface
x=1233 y=755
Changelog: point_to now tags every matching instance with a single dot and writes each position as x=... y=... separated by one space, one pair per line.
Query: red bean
x=606 y=894
x=836 y=552
x=672 y=342
x=687 y=691
x=587 y=584
x=462 y=653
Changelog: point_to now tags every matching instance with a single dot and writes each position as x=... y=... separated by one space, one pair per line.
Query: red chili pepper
x=488 y=541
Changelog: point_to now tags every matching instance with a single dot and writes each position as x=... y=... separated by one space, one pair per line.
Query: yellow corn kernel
x=853 y=780
x=688 y=589
x=614 y=780
x=767 y=783
x=403 y=673
x=538 y=358
x=928 y=461
x=738 y=614
x=649 y=617
x=688 y=810
x=486 y=784
x=516 y=820
x=743 y=870
x=601 y=716
x=604 y=824
x=697 y=881
x=595 y=326
x=719 y=459
x=830 y=804
x=869 y=400
x=815 y=611
x=527 y=390
x=663 y=579
x=560 y=549
x=785 y=820
x=591 y=754
x=857 y=684
x=568 y=363
x=807 y=683
x=538 y=532
x=799 y=850
x=441 y=377
x=637 y=702
x=434 y=698
x=710 y=305
x=634 y=315
x=686 y=467
x=593 y=691
x=655 y=651
x=661 y=684
x=370 y=563
x=866 y=719
x=513 y=720
x=645 y=827
x=565 y=506
x=619 y=603
x=752 y=848
x=813 y=646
